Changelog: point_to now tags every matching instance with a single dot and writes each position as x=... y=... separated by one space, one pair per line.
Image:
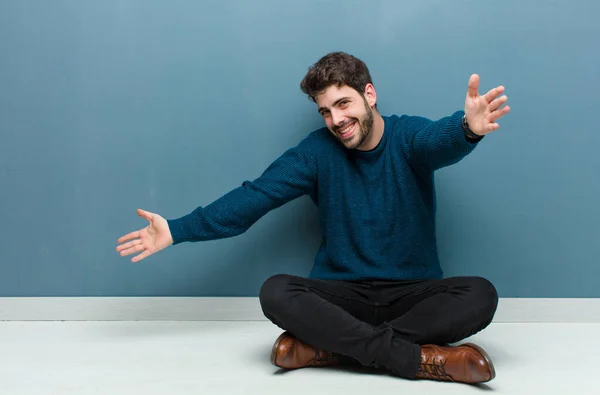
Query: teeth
x=347 y=128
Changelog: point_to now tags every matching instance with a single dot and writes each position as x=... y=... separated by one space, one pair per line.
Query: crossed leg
x=379 y=323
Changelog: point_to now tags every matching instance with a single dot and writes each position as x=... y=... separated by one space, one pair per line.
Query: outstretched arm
x=292 y=175
x=436 y=144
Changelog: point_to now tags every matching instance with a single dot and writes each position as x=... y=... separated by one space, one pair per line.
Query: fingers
x=141 y=256
x=135 y=245
x=496 y=111
x=129 y=236
x=492 y=126
x=494 y=115
x=493 y=93
x=497 y=103
x=126 y=246
x=133 y=249
x=135 y=235
x=473 y=85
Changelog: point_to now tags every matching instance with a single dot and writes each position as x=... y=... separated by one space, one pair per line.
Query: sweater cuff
x=177 y=229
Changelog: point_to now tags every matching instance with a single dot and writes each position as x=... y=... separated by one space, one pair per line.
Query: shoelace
x=434 y=369
x=323 y=356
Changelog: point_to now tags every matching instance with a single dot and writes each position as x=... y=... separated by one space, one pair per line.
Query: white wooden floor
x=220 y=357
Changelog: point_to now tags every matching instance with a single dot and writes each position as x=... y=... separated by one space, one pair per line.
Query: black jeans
x=379 y=323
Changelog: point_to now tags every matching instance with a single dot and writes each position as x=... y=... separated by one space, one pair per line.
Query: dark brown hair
x=336 y=68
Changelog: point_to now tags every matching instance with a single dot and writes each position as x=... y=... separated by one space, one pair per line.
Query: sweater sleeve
x=435 y=144
x=290 y=176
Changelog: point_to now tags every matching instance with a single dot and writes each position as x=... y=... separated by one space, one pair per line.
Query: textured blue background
x=107 y=106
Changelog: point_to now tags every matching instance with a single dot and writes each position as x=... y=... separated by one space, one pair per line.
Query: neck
x=376 y=134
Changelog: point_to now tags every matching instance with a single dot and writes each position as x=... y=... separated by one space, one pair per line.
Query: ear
x=370 y=95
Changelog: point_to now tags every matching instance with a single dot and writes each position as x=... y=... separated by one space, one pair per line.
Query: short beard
x=365 y=127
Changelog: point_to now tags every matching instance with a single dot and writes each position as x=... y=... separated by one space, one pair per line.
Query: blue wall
x=107 y=106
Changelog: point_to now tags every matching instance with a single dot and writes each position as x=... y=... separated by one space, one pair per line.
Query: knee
x=485 y=293
x=272 y=291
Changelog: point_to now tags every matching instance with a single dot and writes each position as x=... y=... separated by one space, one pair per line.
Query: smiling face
x=348 y=114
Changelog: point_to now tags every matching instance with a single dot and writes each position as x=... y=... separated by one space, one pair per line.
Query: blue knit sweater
x=376 y=208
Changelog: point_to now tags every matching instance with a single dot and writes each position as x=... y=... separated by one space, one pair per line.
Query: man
x=375 y=295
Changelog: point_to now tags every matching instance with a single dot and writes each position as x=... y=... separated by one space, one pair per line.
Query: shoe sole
x=487 y=358
x=276 y=346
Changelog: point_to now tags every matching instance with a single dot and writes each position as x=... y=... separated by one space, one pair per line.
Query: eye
x=325 y=113
x=344 y=103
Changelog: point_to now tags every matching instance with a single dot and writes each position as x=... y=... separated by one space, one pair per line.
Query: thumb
x=473 y=85
x=145 y=214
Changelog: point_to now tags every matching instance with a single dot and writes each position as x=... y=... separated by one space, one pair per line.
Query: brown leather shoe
x=466 y=363
x=290 y=353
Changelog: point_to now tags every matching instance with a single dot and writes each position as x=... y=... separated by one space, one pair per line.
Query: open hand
x=149 y=240
x=483 y=111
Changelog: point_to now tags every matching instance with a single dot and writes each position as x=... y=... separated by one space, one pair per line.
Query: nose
x=337 y=118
